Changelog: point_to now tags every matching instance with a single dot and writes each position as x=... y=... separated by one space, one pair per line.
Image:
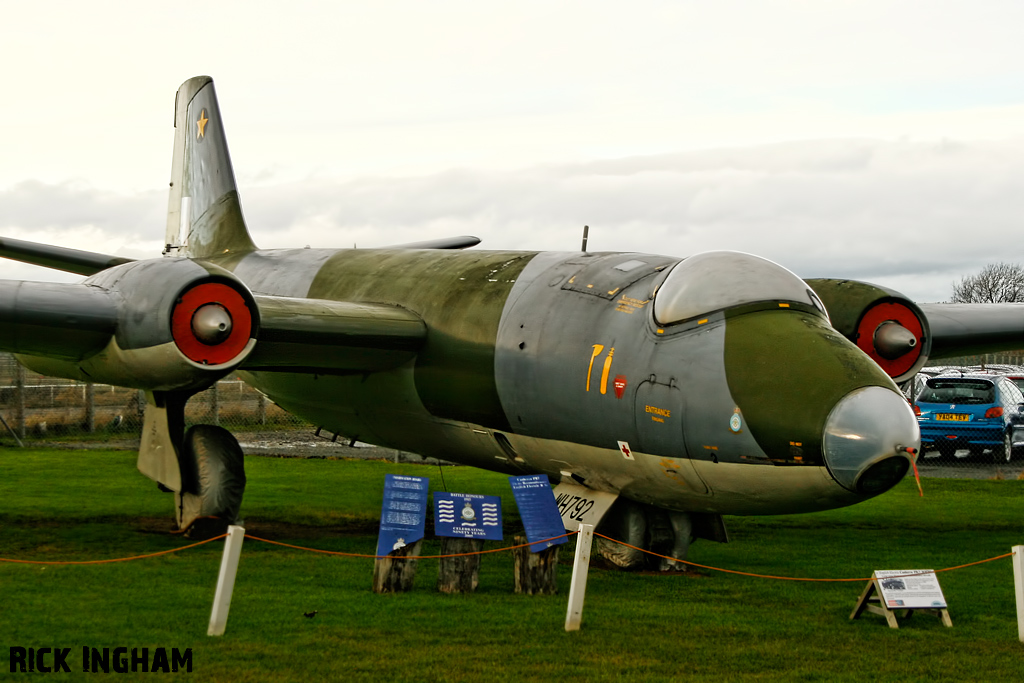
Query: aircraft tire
x=213 y=475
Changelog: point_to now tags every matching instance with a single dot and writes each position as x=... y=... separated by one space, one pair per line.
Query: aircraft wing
x=75 y=321
x=89 y=263
x=333 y=336
x=901 y=336
x=970 y=329
x=116 y=314
x=59 y=258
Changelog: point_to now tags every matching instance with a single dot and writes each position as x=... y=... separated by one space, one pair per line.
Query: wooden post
x=19 y=398
x=535 y=573
x=226 y=581
x=90 y=408
x=215 y=404
x=141 y=397
x=1018 y=584
x=580 y=568
x=459 y=574
x=392 y=574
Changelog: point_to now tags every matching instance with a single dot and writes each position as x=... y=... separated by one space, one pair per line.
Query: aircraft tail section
x=204 y=216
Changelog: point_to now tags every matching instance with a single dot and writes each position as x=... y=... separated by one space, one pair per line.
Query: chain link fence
x=38 y=408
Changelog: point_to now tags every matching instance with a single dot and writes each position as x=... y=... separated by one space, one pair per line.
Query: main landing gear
x=203 y=466
x=664 y=533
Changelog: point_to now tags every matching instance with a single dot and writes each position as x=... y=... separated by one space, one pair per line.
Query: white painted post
x=226 y=580
x=1018 y=584
x=578 y=587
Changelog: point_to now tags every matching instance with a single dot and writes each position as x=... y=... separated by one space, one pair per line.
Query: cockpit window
x=716 y=280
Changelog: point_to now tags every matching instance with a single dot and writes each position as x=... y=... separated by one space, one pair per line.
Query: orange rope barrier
x=971 y=564
x=408 y=557
x=481 y=552
x=788 y=578
x=119 y=559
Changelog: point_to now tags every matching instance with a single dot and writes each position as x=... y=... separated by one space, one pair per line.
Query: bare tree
x=996 y=283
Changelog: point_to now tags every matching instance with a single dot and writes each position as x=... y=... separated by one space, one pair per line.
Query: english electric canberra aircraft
x=682 y=389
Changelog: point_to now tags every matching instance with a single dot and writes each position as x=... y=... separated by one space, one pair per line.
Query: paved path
x=966 y=466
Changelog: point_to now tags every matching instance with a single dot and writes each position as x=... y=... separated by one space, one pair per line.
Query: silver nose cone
x=865 y=440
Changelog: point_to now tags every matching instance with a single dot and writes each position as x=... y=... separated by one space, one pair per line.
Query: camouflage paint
x=787 y=370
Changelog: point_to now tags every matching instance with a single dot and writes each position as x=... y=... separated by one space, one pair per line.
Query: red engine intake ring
x=186 y=340
x=882 y=313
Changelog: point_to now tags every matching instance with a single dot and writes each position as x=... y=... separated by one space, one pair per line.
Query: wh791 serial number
x=573 y=507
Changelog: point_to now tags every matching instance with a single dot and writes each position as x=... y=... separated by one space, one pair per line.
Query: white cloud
x=914 y=216
x=860 y=138
x=341 y=90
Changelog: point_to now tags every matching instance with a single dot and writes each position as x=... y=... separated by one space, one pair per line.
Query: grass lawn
x=704 y=626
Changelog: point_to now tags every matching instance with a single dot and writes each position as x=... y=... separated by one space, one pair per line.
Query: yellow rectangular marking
x=701 y=322
x=783 y=305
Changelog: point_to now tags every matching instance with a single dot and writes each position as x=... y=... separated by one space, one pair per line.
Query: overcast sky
x=875 y=140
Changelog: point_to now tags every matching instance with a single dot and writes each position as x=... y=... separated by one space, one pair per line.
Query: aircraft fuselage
x=555 y=363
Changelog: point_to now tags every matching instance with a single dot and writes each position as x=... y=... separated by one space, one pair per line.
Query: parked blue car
x=976 y=411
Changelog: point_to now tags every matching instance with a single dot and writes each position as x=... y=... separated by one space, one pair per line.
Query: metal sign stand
x=871 y=601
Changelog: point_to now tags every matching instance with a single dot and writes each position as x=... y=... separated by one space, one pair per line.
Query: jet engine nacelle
x=883 y=323
x=170 y=325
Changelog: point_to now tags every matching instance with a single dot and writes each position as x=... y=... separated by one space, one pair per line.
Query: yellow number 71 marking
x=598 y=349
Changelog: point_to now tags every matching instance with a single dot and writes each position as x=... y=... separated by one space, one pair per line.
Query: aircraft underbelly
x=679 y=483
x=744 y=490
x=383 y=409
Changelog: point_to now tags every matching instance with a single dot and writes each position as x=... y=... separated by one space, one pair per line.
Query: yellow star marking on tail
x=202 y=125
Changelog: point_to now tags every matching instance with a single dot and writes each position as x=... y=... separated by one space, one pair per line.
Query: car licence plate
x=952 y=417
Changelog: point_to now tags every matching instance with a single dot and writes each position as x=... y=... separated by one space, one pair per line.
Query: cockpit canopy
x=717 y=280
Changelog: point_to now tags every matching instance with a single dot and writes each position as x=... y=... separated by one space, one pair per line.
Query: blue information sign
x=467 y=515
x=404 y=513
x=537 y=507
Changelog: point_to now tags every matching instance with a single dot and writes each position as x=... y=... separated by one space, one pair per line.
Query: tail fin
x=204 y=217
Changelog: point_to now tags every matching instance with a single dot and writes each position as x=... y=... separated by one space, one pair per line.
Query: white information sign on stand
x=910 y=589
x=903 y=591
